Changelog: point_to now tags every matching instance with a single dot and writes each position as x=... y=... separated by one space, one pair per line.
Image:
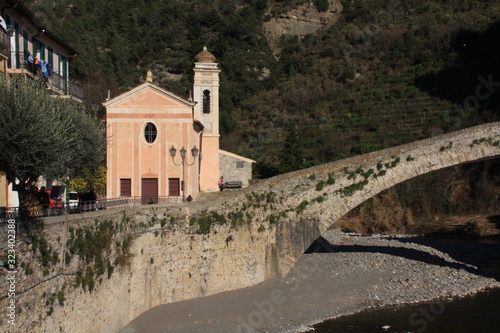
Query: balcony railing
x=57 y=83
x=61 y=208
x=65 y=87
x=4 y=43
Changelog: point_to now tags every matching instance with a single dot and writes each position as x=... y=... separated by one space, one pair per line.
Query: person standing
x=43 y=197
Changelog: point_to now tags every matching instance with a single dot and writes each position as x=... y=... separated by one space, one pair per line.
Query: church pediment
x=148 y=95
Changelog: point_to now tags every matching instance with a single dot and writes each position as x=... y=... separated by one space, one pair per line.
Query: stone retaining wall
x=169 y=262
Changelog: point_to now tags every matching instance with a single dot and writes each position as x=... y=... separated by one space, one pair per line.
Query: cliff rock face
x=301 y=21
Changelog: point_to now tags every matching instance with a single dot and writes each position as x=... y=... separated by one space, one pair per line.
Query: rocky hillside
x=305 y=19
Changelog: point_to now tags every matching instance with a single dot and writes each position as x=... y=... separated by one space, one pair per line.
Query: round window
x=150 y=133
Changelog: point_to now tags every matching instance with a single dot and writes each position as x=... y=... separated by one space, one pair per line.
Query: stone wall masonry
x=170 y=262
x=183 y=251
x=228 y=169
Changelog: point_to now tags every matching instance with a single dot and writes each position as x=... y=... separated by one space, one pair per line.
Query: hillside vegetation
x=383 y=73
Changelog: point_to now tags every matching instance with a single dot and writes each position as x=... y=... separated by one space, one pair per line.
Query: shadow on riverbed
x=471 y=254
x=476 y=252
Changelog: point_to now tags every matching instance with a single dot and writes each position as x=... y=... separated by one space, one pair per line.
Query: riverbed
x=474 y=313
x=355 y=274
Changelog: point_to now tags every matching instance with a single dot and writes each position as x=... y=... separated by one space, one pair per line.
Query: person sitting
x=222 y=183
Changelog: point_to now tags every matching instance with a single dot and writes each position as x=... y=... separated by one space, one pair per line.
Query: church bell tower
x=206 y=110
x=206 y=92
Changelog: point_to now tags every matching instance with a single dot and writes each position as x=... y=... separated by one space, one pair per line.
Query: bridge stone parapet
x=230 y=241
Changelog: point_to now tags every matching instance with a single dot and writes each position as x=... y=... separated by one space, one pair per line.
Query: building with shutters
x=35 y=52
x=162 y=146
x=29 y=50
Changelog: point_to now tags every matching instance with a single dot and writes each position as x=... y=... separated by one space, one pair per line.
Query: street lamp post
x=184 y=163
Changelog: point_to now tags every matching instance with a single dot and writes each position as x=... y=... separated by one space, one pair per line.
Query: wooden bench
x=233 y=184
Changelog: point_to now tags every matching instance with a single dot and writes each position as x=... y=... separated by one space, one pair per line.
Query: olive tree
x=44 y=135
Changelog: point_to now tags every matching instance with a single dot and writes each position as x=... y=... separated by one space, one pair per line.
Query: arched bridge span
x=303 y=205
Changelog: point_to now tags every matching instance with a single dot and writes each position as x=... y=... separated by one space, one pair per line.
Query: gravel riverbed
x=357 y=273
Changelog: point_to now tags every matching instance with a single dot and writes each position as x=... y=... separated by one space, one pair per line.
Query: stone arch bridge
x=306 y=204
x=223 y=241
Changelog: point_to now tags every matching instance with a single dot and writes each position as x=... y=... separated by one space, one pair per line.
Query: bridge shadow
x=471 y=256
x=478 y=252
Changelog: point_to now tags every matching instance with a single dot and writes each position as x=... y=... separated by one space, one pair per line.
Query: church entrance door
x=149 y=191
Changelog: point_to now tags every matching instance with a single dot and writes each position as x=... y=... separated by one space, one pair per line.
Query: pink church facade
x=148 y=127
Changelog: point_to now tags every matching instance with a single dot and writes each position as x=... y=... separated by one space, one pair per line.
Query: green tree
x=322 y=5
x=87 y=180
x=43 y=135
x=291 y=156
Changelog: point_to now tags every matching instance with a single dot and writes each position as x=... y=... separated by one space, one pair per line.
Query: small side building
x=235 y=167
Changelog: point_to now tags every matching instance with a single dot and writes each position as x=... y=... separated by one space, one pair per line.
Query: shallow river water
x=479 y=313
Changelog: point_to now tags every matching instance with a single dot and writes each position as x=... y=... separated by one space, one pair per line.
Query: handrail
x=62 y=208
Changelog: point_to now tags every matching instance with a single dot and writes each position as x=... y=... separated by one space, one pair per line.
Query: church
x=162 y=147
